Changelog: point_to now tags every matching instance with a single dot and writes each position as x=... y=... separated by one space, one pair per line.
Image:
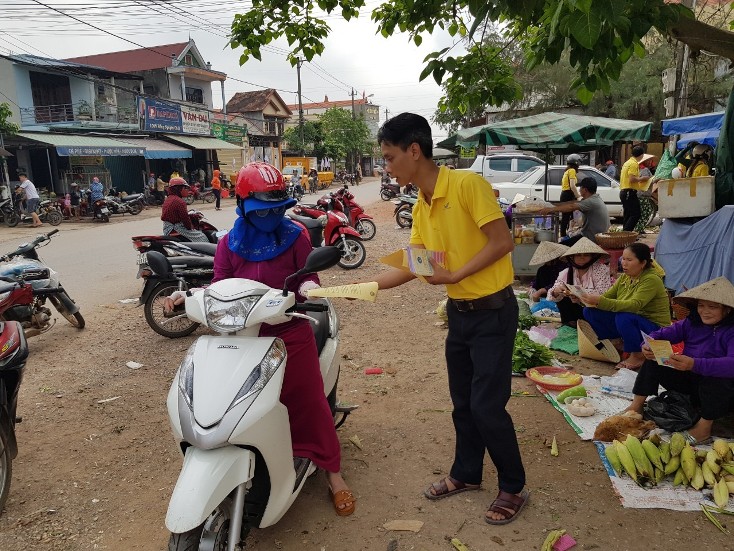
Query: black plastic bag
x=672 y=411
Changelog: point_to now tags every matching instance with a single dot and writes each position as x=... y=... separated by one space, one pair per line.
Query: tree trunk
x=700 y=36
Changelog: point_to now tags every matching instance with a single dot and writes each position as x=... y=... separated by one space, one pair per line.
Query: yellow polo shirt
x=631 y=168
x=461 y=204
x=569 y=175
x=702 y=169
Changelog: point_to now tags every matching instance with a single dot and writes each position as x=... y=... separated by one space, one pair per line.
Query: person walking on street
x=160 y=189
x=217 y=189
x=458 y=214
x=569 y=192
x=630 y=182
x=31 y=196
x=358 y=174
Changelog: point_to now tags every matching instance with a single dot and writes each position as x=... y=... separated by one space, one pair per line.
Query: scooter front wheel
x=386 y=195
x=404 y=216
x=366 y=228
x=54 y=217
x=172 y=327
x=353 y=252
x=76 y=319
x=213 y=533
x=6 y=471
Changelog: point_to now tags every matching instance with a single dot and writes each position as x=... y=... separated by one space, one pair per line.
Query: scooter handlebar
x=310 y=307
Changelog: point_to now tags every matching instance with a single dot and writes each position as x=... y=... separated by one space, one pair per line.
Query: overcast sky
x=355 y=56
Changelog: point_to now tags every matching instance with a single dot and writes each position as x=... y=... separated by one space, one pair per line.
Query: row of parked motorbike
x=27 y=288
x=403 y=200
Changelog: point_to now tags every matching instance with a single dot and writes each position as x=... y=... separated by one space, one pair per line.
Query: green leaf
x=417 y=39
x=584 y=94
x=586 y=29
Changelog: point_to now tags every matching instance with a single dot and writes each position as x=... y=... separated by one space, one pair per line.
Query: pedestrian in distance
x=217 y=189
x=611 y=169
x=569 y=192
x=457 y=213
x=28 y=189
x=630 y=183
x=76 y=198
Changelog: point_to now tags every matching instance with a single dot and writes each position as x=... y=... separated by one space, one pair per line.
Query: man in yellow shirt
x=569 y=191
x=457 y=214
x=630 y=182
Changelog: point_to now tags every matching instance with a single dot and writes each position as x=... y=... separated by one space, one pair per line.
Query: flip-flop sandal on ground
x=604 y=346
x=344 y=501
x=507 y=505
x=441 y=488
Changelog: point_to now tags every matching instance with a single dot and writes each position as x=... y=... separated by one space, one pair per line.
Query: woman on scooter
x=265 y=246
x=175 y=213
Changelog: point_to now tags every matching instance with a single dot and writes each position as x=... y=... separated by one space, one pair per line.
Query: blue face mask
x=266 y=220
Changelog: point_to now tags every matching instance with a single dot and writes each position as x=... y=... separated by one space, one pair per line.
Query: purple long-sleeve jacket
x=711 y=347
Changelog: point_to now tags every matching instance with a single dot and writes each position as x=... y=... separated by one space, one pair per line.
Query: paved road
x=97 y=262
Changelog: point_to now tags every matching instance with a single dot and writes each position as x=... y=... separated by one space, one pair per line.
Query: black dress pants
x=630 y=209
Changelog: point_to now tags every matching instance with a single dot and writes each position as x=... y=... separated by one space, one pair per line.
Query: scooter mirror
x=320 y=259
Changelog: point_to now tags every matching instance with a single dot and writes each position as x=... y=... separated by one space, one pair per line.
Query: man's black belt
x=490 y=302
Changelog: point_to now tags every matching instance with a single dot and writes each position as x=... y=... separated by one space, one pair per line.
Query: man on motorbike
x=265 y=246
x=175 y=213
x=296 y=183
x=313 y=180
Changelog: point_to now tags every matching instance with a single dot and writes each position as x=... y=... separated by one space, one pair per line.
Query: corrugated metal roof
x=202 y=142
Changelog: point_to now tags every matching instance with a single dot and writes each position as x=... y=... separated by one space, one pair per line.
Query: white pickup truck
x=503 y=166
x=532 y=184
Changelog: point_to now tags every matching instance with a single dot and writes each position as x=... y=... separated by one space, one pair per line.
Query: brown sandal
x=441 y=488
x=508 y=505
x=344 y=501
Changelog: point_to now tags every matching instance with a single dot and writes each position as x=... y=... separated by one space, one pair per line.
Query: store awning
x=202 y=142
x=695 y=123
x=158 y=149
x=79 y=145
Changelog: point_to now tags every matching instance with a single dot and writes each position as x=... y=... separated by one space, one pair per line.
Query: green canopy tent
x=555 y=132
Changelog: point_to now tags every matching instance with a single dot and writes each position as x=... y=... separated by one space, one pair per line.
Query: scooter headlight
x=263 y=372
x=186 y=376
x=228 y=316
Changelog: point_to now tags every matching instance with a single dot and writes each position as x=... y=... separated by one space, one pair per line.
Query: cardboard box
x=686 y=197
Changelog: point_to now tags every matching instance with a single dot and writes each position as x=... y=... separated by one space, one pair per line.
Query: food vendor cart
x=528 y=230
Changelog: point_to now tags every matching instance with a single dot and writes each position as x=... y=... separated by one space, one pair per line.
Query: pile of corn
x=650 y=461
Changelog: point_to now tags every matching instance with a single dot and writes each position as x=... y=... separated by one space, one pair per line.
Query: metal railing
x=81 y=111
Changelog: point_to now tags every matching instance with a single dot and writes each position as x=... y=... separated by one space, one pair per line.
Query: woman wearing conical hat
x=705 y=369
x=548 y=257
x=587 y=270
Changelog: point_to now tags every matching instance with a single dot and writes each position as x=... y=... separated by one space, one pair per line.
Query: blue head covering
x=261 y=231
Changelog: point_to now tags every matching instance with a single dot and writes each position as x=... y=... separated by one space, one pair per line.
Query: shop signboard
x=99 y=151
x=159 y=116
x=468 y=152
x=229 y=132
x=195 y=121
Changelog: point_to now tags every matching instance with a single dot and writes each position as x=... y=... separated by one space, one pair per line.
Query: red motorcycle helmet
x=177 y=185
x=261 y=186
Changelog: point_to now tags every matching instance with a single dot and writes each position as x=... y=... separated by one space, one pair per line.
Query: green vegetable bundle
x=527 y=353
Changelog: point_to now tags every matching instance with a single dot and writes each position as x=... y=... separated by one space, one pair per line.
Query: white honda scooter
x=225 y=410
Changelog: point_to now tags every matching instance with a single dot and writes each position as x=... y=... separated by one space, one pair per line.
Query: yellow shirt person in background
x=569 y=192
x=630 y=182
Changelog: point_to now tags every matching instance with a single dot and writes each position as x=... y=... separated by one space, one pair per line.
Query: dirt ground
x=96 y=474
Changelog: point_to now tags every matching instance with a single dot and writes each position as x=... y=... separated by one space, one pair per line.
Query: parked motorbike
x=404 y=210
x=181 y=273
x=225 y=412
x=8 y=213
x=13 y=354
x=388 y=190
x=36 y=284
x=47 y=212
x=101 y=211
x=358 y=218
x=130 y=204
x=196 y=192
x=175 y=244
x=332 y=228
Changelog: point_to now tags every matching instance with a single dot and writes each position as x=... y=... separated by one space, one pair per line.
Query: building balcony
x=76 y=112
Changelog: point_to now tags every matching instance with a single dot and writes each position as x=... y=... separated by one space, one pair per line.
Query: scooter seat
x=310 y=223
x=132 y=197
x=182 y=262
x=204 y=248
x=320 y=331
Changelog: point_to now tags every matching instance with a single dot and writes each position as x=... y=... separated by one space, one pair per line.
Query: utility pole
x=387 y=113
x=354 y=116
x=680 y=97
x=300 y=109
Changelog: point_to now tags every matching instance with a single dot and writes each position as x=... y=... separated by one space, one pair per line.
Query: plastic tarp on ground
x=552 y=131
x=693 y=253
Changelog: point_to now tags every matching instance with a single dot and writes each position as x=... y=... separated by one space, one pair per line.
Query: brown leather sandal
x=441 y=488
x=507 y=505
x=344 y=502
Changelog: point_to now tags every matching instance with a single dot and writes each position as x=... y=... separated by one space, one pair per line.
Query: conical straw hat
x=585 y=246
x=591 y=347
x=547 y=251
x=717 y=290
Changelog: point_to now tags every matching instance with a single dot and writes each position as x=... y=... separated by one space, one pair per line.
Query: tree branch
x=700 y=36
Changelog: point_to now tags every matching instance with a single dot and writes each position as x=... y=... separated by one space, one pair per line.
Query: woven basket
x=680 y=312
x=616 y=240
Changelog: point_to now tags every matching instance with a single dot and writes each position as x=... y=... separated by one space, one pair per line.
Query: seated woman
x=547 y=255
x=585 y=269
x=705 y=369
x=636 y=302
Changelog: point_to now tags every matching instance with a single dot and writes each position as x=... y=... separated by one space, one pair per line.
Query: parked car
x=532 y=184
x=503 y=167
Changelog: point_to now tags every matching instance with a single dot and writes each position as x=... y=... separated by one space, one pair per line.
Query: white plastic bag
x=531 y=204
x=622 y=381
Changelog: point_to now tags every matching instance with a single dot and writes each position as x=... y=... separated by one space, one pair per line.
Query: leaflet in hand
x=360 y=291
x=662 y=349
x=576 y=291
x=419 y=263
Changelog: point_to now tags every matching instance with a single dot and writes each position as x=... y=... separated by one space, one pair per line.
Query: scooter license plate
x=142 y=259
x=105 y=210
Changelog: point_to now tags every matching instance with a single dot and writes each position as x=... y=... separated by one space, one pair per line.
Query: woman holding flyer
x=586 y=272
x=705 y=368
x=636 y=302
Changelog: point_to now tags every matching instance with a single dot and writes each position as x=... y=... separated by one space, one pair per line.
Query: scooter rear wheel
x=404 y=216
x=386 y=195
x=209 y=197
x=172 y=328
x=76 y=319
x=366 y=228
x=136 y=208
x=212 y=534
x=11 y=219
x=6 y=472
x=353 y=252
x=54 y=217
